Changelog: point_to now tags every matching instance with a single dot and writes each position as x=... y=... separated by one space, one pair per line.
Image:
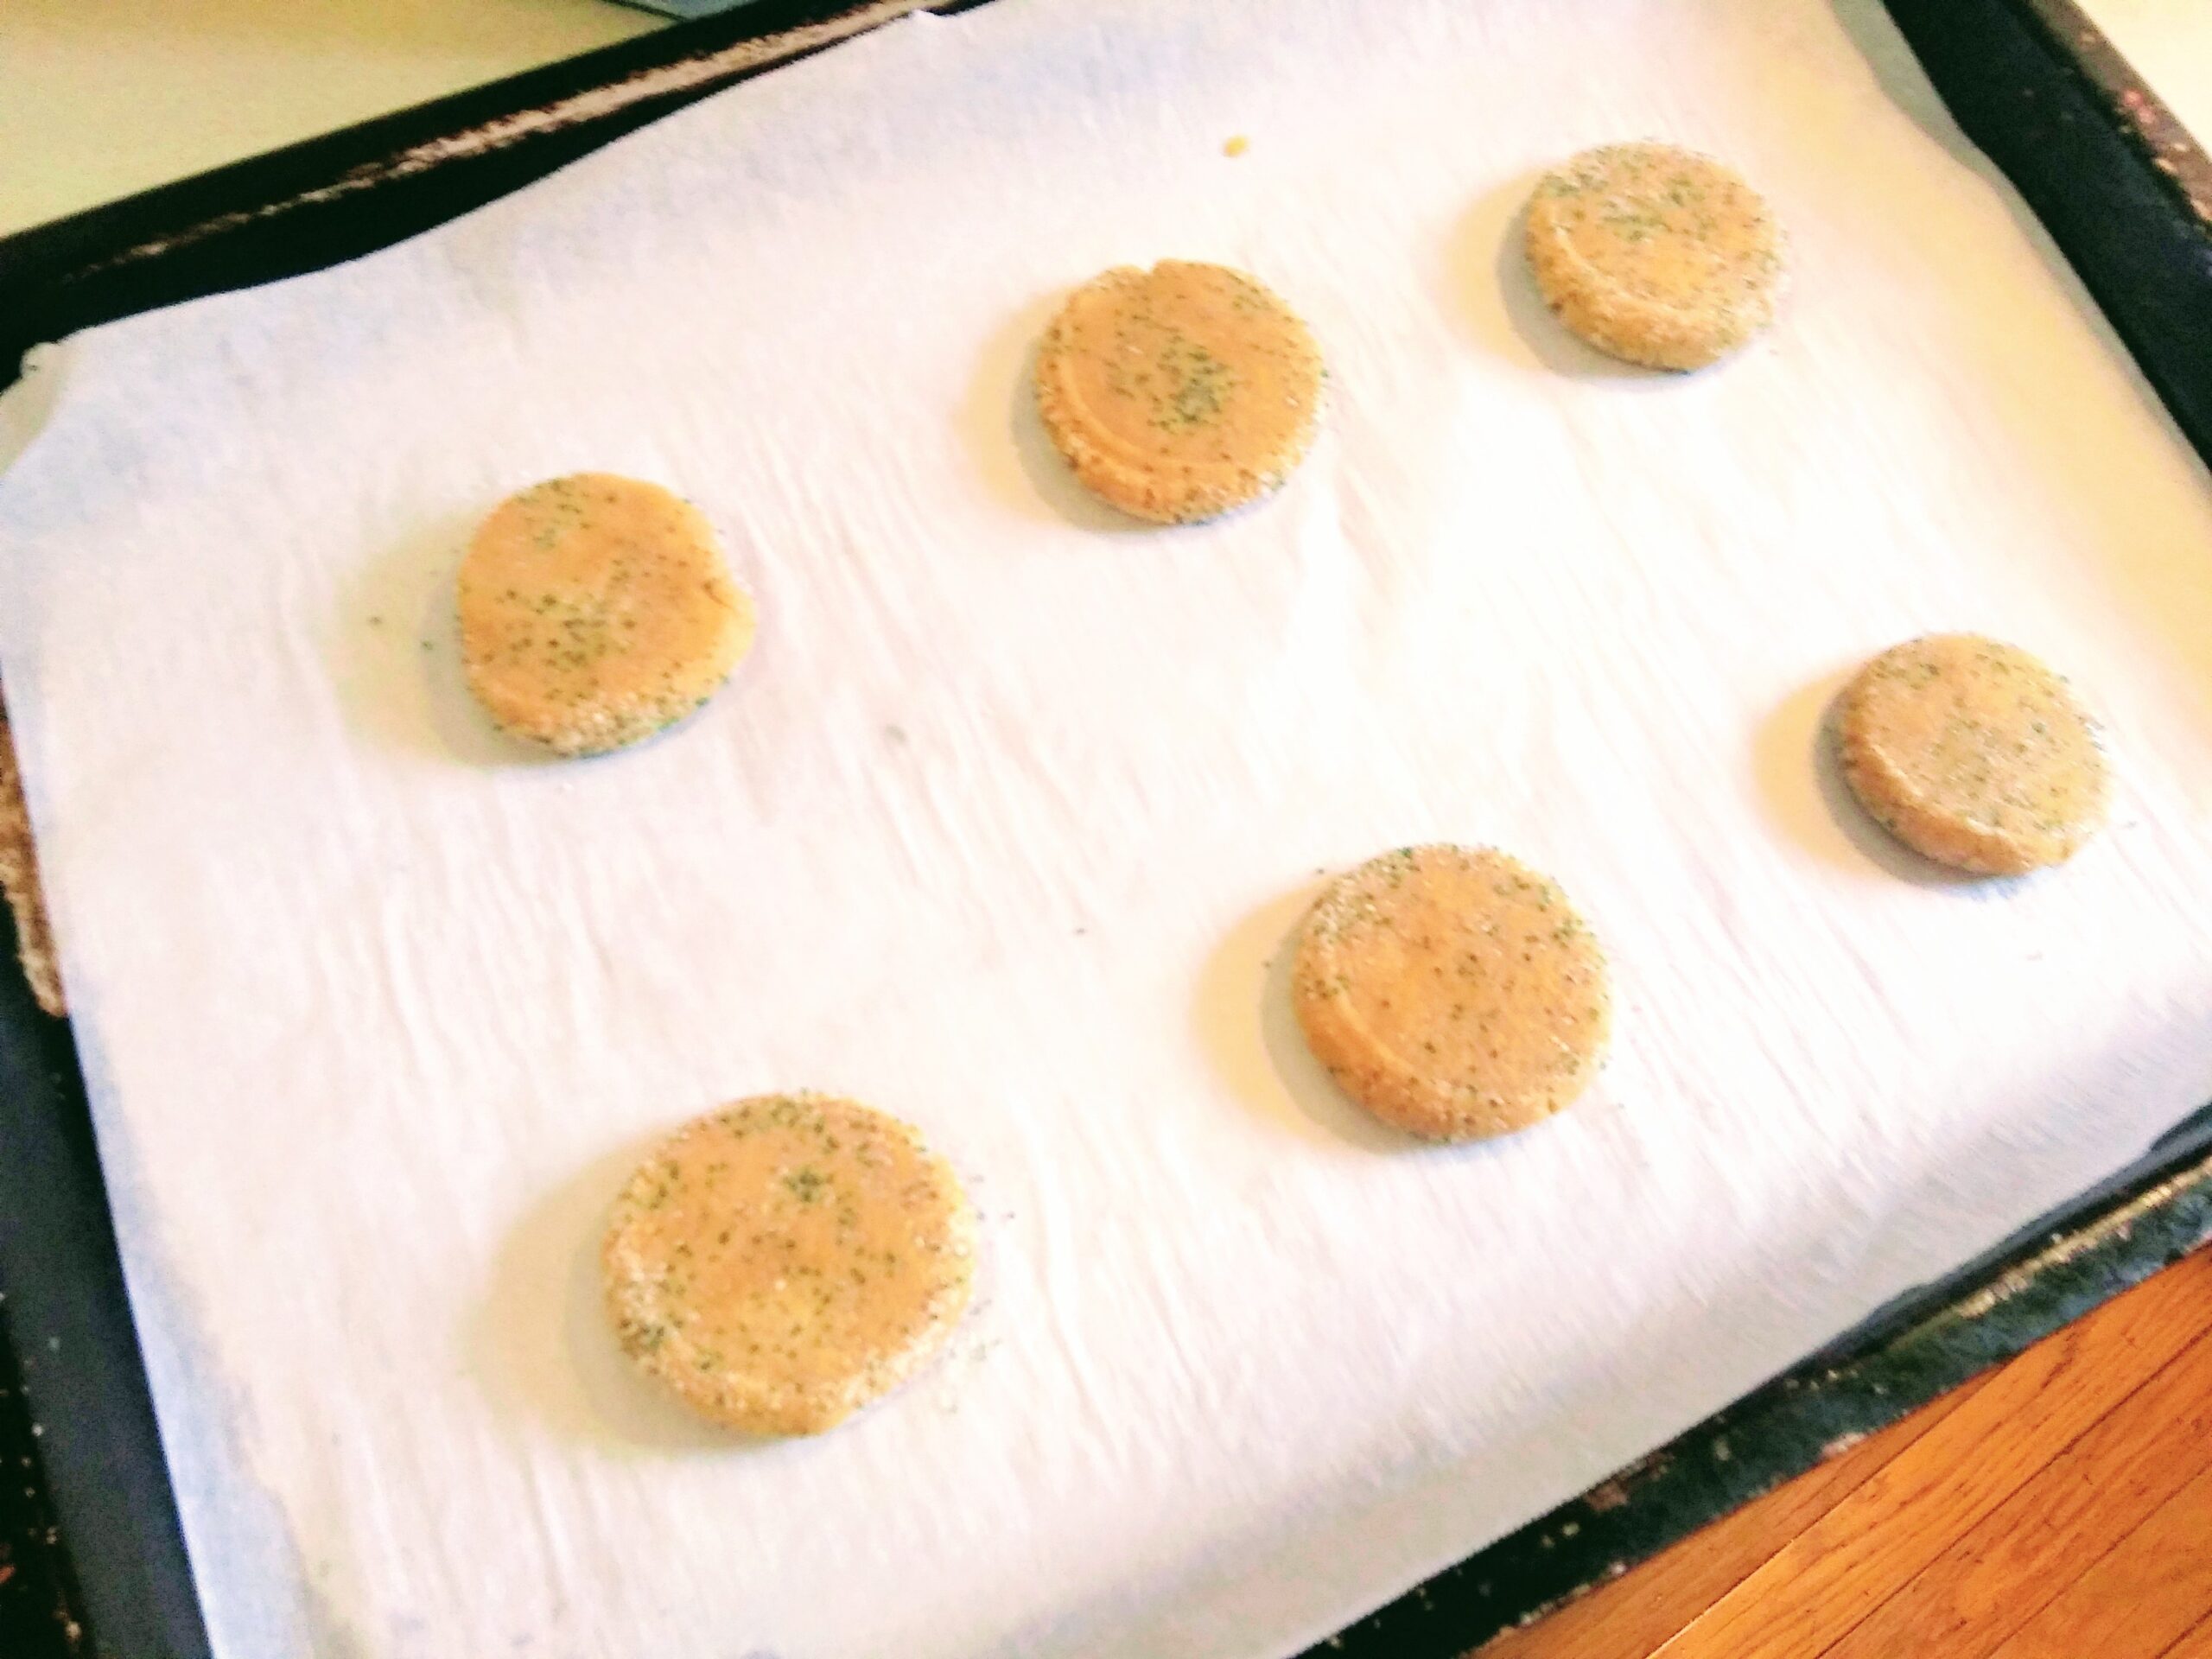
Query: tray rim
x=301 y=207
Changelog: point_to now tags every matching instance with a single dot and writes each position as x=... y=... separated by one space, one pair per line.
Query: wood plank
x=2140 y=1599
x=1826 y=1581
x=2197 y=1645
x=1996 y=1577
x=1627 y=1618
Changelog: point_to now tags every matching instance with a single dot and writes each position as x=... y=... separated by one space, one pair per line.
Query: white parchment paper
x=1003 y=822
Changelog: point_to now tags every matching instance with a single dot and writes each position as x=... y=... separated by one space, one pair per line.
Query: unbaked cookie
x=784 y=1261
x=1452 y=992
x=1973 y=753
x=1178 y=392
x=595 y=610
x=1653 y=254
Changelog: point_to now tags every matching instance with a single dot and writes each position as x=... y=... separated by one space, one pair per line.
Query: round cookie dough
x=1655 y=255
x=1452 y=992
x=596 y=610
x=1178 y=392
x=1973 y=753
x=784 y=1261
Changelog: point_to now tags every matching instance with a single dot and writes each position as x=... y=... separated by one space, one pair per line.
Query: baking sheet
x=2170 y=42
x=1005 y=817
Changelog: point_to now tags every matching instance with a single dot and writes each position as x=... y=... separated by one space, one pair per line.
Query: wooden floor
x=2059 y=1507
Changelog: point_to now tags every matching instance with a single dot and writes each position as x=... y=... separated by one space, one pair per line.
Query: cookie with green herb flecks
x=1654 y=255
x=784 y=1261
x=596 y=610
x=1178 y=392
x=1973 y=753
x=1452 y=991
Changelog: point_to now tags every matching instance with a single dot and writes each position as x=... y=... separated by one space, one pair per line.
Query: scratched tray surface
x=1223 y=1542
x=2170 y=45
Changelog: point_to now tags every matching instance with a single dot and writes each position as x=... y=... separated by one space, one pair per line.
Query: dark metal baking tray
x=95 y=1561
